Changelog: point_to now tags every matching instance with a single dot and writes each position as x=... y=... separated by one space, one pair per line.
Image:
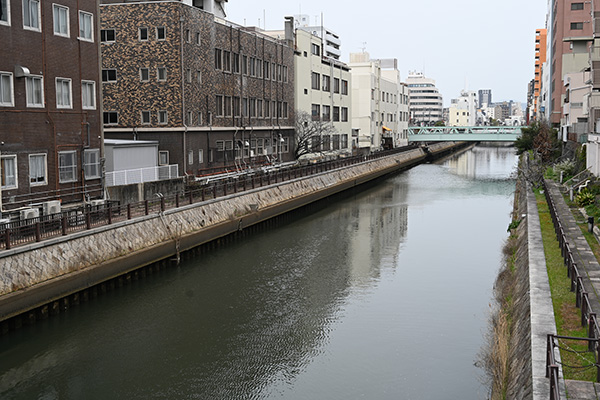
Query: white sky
x=485 y=44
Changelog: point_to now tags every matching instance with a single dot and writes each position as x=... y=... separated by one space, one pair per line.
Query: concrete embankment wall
x=38 y=274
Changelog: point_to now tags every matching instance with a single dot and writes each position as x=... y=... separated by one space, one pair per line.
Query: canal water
x=380 y=294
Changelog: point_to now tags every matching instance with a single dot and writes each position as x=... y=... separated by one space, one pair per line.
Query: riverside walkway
x=589 y=269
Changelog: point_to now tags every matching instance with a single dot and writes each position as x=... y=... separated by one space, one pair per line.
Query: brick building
x=50 y=129
x=213 y=94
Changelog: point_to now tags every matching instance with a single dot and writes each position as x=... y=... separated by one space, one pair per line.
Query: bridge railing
x=474 y=130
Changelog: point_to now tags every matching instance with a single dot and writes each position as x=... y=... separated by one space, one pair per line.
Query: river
x=380 y=294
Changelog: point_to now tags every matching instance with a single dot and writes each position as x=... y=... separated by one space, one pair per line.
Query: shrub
x=585 y=198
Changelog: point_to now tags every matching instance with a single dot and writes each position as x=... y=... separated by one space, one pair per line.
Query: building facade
x=425 y=100
x=213 y=94
x=379 y=103
x=485 y=97
x=540 y=59
x=49 y=104
x=322 y=90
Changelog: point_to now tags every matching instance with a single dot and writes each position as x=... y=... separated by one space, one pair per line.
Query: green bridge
x=464 y=133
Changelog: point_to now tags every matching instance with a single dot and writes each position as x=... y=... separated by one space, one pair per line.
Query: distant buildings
x=485 y=97
x=463 y=110
x=425 y=100
x=51 y=146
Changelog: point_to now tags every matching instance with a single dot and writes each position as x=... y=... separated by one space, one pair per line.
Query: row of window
x=160 y=33
x=227 y=106
x=327 y=116
x=329 y=142
x=241 y=64
x=38 y=168
x=326 y=80
x=109 y=75
x=60 y=17
x=34 y=92
x=256 y=147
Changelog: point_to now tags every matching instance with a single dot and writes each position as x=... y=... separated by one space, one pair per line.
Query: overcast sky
x=483 y=44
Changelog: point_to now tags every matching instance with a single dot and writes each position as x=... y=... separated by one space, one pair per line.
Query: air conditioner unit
x=51 y=207
x=97 y=203
x=29 y=213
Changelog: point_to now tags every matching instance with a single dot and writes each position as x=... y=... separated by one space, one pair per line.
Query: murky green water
x=381 y=295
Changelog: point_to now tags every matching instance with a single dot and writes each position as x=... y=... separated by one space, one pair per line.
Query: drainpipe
x=185 y=155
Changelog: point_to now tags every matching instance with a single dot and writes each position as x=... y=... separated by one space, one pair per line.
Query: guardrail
x=141 y=175
x=582 y=300
x=22 y=232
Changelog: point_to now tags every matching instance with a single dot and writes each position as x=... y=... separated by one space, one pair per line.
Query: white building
x=323 y=91
x=216 y=7
x=463 y=111
x=425 y=103
x=379 y=103
x=331 y=42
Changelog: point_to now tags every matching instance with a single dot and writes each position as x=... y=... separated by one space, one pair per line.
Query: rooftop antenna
x=364 y=48
x=264 y=19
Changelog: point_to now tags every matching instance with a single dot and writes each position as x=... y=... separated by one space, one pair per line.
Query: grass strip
x=567 y=316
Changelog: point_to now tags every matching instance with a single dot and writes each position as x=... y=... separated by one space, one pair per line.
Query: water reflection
x=370 y=297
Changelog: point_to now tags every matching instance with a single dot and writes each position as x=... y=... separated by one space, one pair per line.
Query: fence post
x=591 y=331
x=7 y=238
x=109 y=215
x=578 y=293
x=162 y=204
x=128 y=210
x=88 y=217
x=177 y=200
x=38 y=236
x=146 y=208
x=64 y=225
x=584 y=308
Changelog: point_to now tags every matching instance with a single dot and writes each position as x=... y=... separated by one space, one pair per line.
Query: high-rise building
x=540 y=59
x=485 y=97
x=425 y=100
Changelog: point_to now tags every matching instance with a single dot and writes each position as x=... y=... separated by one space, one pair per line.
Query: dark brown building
x=213 y=94
x=50 y=129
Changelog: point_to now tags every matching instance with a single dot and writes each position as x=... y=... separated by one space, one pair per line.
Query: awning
x=385 y=128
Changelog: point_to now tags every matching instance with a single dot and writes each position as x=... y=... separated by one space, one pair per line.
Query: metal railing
x=22 y=232
x=582 y=300
x=141 y=175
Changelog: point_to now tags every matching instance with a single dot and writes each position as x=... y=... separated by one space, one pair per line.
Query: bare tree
x=312 y=134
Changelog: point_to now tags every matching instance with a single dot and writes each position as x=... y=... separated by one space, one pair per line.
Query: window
x=31 y=15
x=67 y=166
x=244 y=107
x=199 y=76
x=188 y=75
x=163 y=158
x=200 y=156
x=285 y=74
x=219 y=106
x=8 y=169
x=252 y=67
x=190 y=118
x=336 y=114
x=4 y=12
x=326 y=83
x=161 y=33
x=143 y=33
x=259 y=108
x=344 y=114
x=576 y=6
x=315 y=49
x=144 y=74
x=34 y=91
x=285 y=109
x=236 y=106
x=88 y=95
x=61 y=20
x=161 y=73
x=63 y=93
x=267 y=70
x=197 y=37
x=6 y=90
x=190 y=157
x=336 y=85
x=236 y=63
x=344 y=87
x=227 y=106
x=91 y=163
x=576 y=26
x=316 y=112
x=227 y=61
x=252 y=108
x=163 y=117
x=218 y=59
x=37 y=170
x=220 y=145
x=109 y=75
x=267 y=109
x=245 y=65
x=326 y=113
x=315 y=81
x=145 y=117
x=86 y=26
x=108 y=35
x=111 y=117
